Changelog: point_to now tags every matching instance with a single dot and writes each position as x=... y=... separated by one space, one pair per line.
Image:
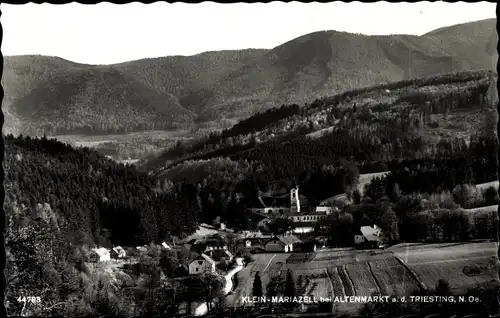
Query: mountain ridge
x=235 y=84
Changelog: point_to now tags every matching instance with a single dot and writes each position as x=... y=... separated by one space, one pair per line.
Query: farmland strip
x=421 y=285
x=350 y=280
x=338 y=286
x=362 y=279
x=346 y=281
x=379 y=289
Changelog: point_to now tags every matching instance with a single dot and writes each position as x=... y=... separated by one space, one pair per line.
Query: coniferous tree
x=257 y=286
x=290 y=289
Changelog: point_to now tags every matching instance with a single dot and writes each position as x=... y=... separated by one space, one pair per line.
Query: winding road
x=202 y=309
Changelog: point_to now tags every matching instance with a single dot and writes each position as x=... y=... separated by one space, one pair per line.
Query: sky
x=107 y=33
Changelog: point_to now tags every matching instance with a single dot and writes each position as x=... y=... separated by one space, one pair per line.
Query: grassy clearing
x=486 y=185
x=429 y=253
x=453 y=272
x=200 y=233
x=454 y=263
x=154 y=134
x=363 y=180
x=136 y=145
x=485 y=209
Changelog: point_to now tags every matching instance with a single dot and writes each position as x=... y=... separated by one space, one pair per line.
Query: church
x=291 y=208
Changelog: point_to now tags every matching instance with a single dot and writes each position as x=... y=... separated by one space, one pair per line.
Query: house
x=142 y=249
x=326 y=209
x=250 y=238
x=215 y=243
x=359 y=238
x=117 y=252
x=282 y=243
x=202 y=264
x=368 y=236
x=99 y=254
x=303 y=227
x=307 y=217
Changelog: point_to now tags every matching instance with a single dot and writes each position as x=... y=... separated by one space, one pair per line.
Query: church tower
x=294 y=200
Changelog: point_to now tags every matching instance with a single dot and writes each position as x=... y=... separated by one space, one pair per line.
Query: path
x=202 y=308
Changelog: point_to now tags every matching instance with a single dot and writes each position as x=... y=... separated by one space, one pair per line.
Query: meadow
x=398 y=270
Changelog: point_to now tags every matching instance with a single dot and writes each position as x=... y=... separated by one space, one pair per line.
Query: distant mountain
x=52 y=95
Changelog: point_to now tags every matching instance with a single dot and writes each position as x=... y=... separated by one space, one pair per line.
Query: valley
x=330 y=165
x=216 y=89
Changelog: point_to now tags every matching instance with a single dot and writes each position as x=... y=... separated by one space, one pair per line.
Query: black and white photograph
x=255 y=160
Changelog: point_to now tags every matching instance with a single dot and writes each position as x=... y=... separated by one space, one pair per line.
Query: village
x=213 y=247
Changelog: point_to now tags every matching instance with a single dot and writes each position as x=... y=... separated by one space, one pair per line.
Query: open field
x=398 y=270
x=462 y=265
x=129 y=146
x=485 y=209
x=486 y=185
x=88 y=140
x=362 y=279
x=200 y=233
x=393 y=277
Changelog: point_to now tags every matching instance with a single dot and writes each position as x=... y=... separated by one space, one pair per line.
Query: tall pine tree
x=257 y=286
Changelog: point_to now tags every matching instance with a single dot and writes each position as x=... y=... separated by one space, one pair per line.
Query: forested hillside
x=219 y=87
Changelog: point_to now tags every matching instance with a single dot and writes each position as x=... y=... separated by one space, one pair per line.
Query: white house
x=99 y=254
x=202 y=264
x=117 y=252
x=282 y=243
x=359 y=239
x=368 y=235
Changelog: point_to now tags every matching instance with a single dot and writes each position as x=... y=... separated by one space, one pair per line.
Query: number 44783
x=29 y=299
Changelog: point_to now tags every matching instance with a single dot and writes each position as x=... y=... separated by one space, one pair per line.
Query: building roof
x=206 y=258
x=253 y=235
x=370 y=233
x=165 y=245
x=288 y=239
